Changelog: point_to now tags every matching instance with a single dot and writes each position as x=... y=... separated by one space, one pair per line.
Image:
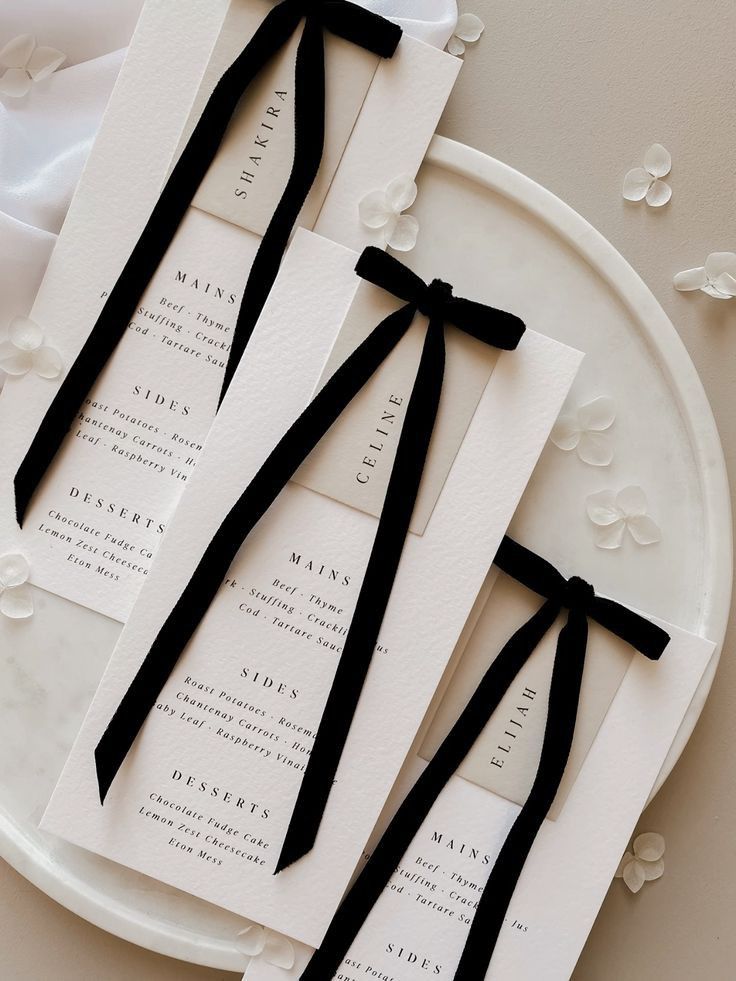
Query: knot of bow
x=576 y=595
x=350 y=21
x=437 y=301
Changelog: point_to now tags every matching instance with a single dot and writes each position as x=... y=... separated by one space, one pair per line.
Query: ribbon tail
x=148 y=252
x=375 y=590
x=309 y=136
x=281 y=464
x=373 y=879
x=558 y=735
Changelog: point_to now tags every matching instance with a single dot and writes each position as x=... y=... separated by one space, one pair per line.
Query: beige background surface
x=571 y=92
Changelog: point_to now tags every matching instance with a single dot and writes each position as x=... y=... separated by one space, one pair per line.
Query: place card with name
x=420 y=923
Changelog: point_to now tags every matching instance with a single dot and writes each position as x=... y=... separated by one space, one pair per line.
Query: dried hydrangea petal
x=658 y=194
x=644 y=530
x=15 y=83
x=16 y=602
x=610 y=536
x=595 y=449
x=47 y=362
x=726 y=284
x=633 y=876
x=628 y=857
x=25 y=333
x=16 y=53
x=691 y=279
x=43 y=62
x=652 y=870
x=252 y=939
x=401 y=193
x=469 y=27
x=566 y=431
x=712 y=290
x=602 y=508
x=279 y=951
x=658 y=160
x=718 y=263
x=649 y=846
x=403 y=236
x=13 y=361
x=14 y=570
x=374 y=210
x=598 y=414
x=636 y=184
x=632 y=500
x=455 y=46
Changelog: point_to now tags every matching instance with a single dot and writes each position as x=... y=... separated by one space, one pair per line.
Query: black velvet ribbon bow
x=436 y=301
x=579 y=599
x=348 y=20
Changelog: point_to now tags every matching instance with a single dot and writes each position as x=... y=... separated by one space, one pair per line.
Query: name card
x=352 y=463
x=248 y=176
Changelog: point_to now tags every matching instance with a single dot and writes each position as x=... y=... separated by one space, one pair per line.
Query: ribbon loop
x=383 y=270
x=363 y=27
x=488 y=324
x=541 y=577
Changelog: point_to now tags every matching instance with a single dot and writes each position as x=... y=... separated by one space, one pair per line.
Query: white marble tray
x=497 y=235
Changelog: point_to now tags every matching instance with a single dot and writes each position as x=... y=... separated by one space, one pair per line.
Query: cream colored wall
x=571 y=92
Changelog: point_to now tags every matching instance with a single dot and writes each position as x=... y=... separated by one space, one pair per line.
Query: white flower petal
x=401 y=193
x=469 y=27
x=455 y=46
x=718 y=263
x=374 y=210
x=633 y=876
x=658 y=194
x=649 y=846
x=47 y=362
x=15 y=83
x=610 y=536
x=644 y=530
x=25 y=333
x=43 y=62
x=657 y=160
x=16 y=53
x=598 y=414
x=628 y=857
x=632 y=501
x=14 y=570
x=566 y=431
x=595 y=449
x=16 y=602
x=13 y=361
x=602 y=508
x=636 y=184
x=403 y=236
x=652 y=870
x=717 y=294
x=726 y=284
x=252 y=940
x=279 y=951
x=691 y=279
